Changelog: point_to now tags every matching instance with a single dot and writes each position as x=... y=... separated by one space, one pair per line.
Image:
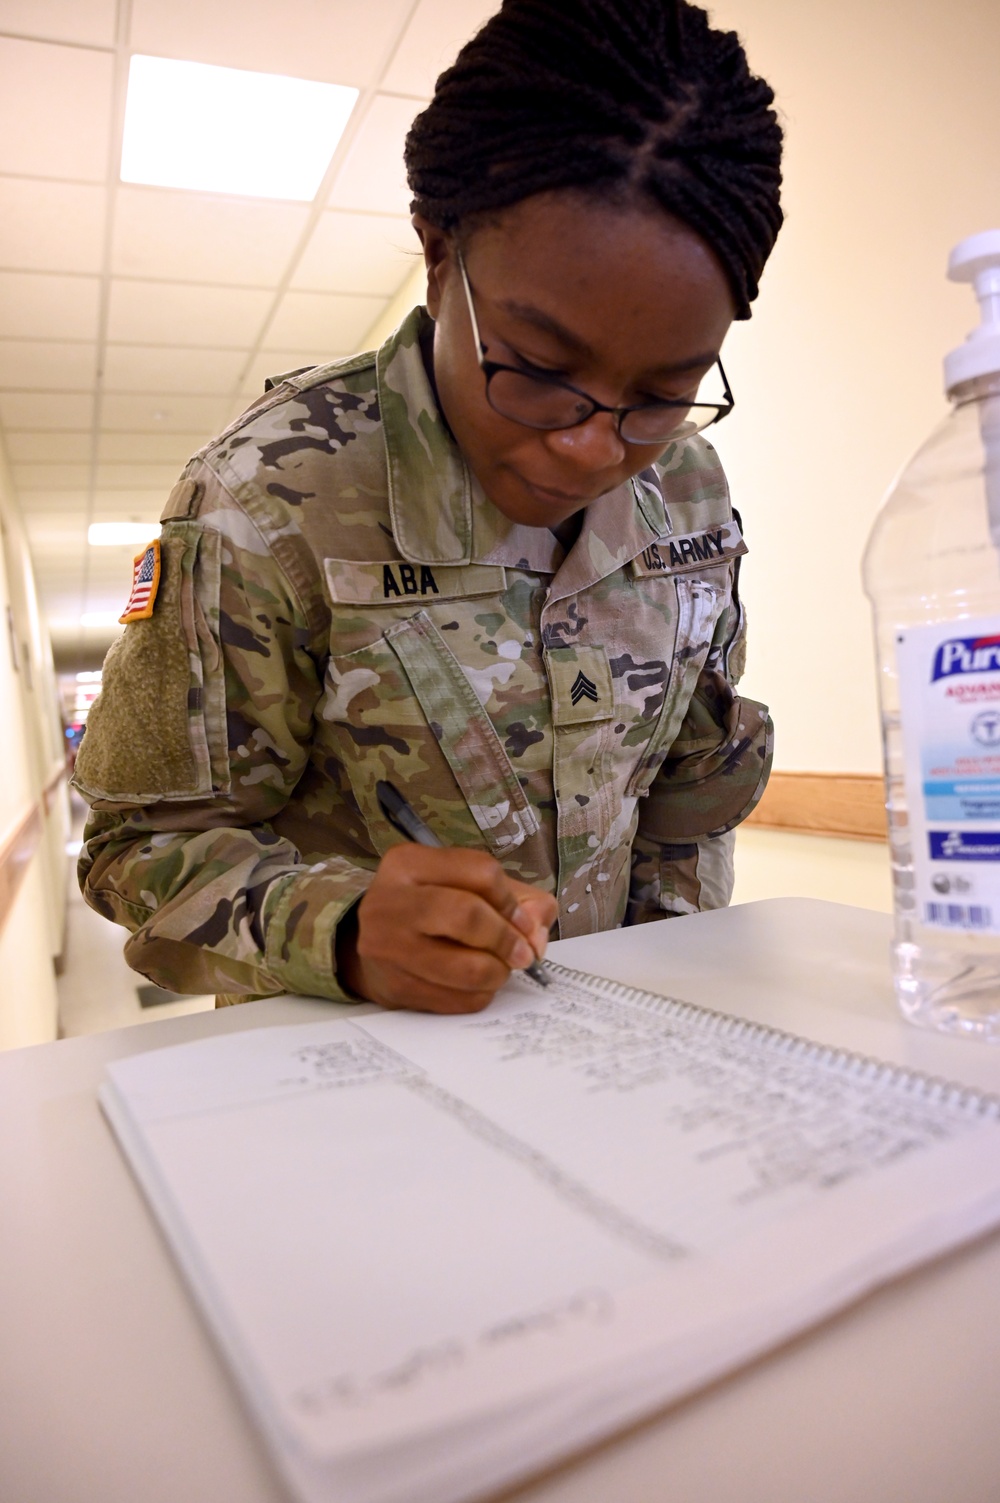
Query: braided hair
x=624 y=100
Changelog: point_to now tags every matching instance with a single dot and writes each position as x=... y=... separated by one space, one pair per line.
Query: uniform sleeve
x=200 y=734
x=712 y=778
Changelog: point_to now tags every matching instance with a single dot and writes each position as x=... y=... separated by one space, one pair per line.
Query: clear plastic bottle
x=932 y=572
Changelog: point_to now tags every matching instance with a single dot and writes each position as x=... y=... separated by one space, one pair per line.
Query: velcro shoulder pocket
x=157 y=730
x=717 y=768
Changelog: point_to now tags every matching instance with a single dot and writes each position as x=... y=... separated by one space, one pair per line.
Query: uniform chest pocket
x=698 y=604
x=402 y=709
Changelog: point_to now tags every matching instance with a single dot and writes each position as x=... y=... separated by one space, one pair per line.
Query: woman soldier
x=489 y=564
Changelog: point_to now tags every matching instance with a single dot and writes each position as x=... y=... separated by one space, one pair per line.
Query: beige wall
x=892 y=113
x=32 y=754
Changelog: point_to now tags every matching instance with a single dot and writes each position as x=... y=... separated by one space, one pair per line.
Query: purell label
x=949 y=686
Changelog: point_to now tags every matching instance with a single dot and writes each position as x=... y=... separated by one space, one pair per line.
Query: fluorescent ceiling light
x=225 y=130
x=99 y=618
x=121 y=534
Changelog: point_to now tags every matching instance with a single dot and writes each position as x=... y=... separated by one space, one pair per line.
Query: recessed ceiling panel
x=230 y=130
x=155 y=478
x=55 y=110
x=47 y=448
x=31 y=365
x=120 y=505
x=322 y=320
x=51 y=226
x=431 y=42
x=147 y=448
x=369 y=253
x=56 y=502
x=203 y=237
x=372 y=175
x=46 y=411
x=272 y=363
x=172 y=314
x=134 y=414
x=49 y=477
x=42 y=305
x=131 y=367
x=91 y=22
x=339 y=41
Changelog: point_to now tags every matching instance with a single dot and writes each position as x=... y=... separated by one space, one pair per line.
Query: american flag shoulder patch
x=145 y=579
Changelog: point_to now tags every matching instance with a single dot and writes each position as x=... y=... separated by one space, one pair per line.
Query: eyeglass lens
x=544 y=404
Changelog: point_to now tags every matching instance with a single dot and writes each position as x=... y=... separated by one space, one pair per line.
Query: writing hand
x=441 y=930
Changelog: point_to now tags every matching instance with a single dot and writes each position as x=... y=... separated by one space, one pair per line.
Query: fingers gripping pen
x=404 y=819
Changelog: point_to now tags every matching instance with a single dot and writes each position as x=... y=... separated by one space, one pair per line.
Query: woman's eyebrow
x=527 y=313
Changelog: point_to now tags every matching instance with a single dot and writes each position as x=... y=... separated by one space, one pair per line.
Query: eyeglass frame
x=490 y=368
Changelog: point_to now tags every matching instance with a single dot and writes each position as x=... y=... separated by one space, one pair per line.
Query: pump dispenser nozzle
x=977 y=260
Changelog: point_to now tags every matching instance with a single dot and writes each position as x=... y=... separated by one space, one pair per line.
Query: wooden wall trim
x=15 y=858
x=18 y=849
x=851 y=805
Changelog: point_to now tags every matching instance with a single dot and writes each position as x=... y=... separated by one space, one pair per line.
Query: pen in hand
x=406 y=820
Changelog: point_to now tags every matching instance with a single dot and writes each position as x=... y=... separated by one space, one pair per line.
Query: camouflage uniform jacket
x=340 y=603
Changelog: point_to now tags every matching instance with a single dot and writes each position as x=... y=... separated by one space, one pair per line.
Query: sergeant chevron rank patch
x=583 y=688
x=580 y=685
x=145 y=582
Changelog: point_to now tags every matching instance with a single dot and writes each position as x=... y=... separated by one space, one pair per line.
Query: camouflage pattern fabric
x=341 y=603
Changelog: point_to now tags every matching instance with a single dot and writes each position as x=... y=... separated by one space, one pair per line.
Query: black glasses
x=541 y=401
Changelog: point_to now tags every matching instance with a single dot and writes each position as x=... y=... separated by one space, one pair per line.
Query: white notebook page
x=402 y=1224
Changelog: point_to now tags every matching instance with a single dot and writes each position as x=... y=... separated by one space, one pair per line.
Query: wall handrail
x=18 y=849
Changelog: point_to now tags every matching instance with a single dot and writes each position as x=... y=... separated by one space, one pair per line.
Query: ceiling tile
x=53 y=501
x=110 y=569
x=169 y=313
x=158 y=478
x=51 y=226
x=40 y=410
x=47 y=448
x=438 y=29
x=129 y=367
x=372 y=175
x=118 y=506
x=271 y=363
x=41 y=305
x=48 y=477
x=371 y=253
x=135 y=414
x=91 y=22
x=324 y=320
x=41 y=524
x=202 y=237
x=51 y=536
x=147 y=448
x=34 y=365
x=337 y=41
x=55 y=110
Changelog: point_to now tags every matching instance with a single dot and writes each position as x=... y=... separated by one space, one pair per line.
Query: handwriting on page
x=352 y=1390
x=784 y=1117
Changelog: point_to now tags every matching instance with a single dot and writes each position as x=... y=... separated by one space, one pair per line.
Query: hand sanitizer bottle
x=932 y=572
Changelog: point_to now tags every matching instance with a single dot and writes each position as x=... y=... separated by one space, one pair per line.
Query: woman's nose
x=593 y=446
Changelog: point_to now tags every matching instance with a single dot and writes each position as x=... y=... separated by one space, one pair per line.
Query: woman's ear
x=437 y=258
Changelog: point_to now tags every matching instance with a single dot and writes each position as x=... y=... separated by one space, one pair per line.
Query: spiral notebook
x=438 y=1254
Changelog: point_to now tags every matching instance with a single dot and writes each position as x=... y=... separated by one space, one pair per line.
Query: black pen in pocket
x=408 y=822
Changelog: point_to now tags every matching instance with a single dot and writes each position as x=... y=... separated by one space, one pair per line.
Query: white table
x=110 y=1391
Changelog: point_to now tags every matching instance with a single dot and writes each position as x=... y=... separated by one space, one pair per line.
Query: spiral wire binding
x=791 y=1045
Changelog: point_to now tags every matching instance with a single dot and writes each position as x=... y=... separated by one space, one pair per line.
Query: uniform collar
x=440 y=513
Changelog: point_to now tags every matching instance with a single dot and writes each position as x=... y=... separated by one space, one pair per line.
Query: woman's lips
x=558 y=498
